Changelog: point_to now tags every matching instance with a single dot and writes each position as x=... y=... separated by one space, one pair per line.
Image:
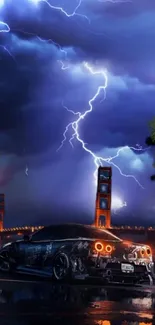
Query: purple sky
x=118 y=38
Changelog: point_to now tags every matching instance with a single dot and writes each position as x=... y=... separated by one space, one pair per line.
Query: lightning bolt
x=98 y=160
x=6 y=50
x=67 y=129
x=26 y=171
x=4 y=27
x=58 y=8
x=63 y=66
x=50 y=41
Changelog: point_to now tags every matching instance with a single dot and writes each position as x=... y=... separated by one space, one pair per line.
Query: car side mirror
x=26 y=238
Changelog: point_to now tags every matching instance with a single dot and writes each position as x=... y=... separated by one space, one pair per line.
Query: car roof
x=100 y=231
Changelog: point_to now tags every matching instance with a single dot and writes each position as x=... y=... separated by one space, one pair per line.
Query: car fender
x=7 y=259
x=3 y=258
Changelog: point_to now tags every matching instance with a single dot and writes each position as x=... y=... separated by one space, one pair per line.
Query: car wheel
x=61 y=267
x=5 y=266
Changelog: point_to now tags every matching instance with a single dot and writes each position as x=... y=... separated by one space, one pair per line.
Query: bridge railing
x=17 y=229
x=35 y=228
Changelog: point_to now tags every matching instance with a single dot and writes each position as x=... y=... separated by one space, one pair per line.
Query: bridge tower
x=2 y=208
x=103 y=198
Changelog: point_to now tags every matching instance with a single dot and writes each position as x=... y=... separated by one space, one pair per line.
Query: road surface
x=28 y=301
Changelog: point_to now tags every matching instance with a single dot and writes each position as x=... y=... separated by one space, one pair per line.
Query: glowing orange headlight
x=99 y=246
x=108 y=248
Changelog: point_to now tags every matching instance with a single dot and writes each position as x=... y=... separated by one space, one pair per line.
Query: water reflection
x=78 y=305
x=107 y=322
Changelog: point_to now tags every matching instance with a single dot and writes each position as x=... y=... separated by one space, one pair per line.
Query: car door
x=37 y=254
x=38 y=249
x=18 y=252
x=32 y=254
x=48 y=247
x=51 y=243
x=26 y=253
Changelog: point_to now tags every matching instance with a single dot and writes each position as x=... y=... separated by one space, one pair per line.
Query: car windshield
x=69 y=231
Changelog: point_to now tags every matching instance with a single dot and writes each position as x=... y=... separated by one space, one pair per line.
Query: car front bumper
x=114 y=273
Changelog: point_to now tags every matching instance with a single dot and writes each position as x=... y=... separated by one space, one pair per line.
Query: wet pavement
x=25 y=301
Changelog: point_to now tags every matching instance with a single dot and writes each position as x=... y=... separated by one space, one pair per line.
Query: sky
x=54 y=58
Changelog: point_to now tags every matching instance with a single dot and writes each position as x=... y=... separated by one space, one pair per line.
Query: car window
x=53 y=233
x=43 y=234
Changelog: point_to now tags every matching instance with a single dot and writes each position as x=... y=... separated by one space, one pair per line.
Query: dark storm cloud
x=120 y=37
x=127 y=46
x=105 y=38
x=123 y=119
x=26 y=116
x=124 y=8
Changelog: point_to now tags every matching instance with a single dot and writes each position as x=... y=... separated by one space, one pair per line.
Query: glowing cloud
x=117 y=203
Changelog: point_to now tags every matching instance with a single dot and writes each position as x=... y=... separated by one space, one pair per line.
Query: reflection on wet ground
x=46 y=303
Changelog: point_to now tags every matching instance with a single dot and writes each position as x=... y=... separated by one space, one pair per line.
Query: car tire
x=61 y=267
x=5 y=266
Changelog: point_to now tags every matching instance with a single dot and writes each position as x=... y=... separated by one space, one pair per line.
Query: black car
x=79 y=252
